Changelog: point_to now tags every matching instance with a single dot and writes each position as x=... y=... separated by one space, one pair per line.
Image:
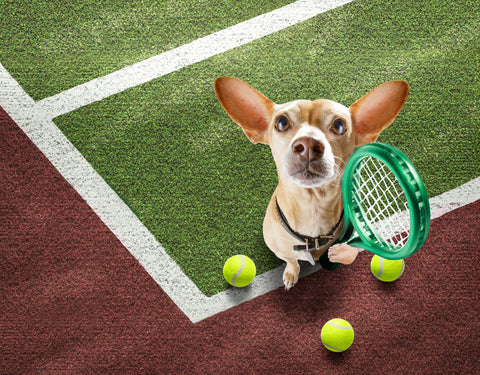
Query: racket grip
x=326 y=264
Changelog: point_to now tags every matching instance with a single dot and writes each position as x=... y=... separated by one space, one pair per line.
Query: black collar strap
x=311 y=243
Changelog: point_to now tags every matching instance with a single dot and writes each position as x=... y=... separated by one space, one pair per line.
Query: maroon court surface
x=74 y=300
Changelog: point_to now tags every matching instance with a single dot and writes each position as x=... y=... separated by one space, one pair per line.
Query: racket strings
x=383 y=202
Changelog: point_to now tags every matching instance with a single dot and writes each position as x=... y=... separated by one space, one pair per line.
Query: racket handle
x=326 y=264
x=347 y=231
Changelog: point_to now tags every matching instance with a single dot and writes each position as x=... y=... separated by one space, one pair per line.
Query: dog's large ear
x=376 y=110
x=246 y=106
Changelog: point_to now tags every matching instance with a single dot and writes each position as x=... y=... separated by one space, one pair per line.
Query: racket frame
x=415 y=193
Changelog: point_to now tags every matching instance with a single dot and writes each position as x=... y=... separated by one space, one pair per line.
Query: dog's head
x=311 y=141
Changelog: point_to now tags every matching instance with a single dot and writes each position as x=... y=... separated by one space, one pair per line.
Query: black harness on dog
x=310 y=243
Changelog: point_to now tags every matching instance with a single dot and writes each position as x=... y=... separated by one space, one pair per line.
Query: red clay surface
x=74 y=300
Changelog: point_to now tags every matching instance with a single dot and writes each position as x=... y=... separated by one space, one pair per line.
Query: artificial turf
x=51 y=46
x=188 y=172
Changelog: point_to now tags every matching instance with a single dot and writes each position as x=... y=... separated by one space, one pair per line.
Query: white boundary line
x=35 y=119
x=185 y=55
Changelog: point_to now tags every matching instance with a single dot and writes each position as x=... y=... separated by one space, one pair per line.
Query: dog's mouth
x=311 y=175
x=307 y=174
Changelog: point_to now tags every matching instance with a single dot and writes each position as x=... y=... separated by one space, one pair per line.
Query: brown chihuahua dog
x=311 y=142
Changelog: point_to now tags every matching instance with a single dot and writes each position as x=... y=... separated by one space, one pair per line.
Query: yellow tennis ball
x=385 y=269
x=239 y=270
x=337 y=335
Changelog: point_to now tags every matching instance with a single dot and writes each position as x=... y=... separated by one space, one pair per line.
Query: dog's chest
x=314 y=221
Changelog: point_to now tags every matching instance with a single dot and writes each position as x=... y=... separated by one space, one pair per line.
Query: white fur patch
x=311 y=132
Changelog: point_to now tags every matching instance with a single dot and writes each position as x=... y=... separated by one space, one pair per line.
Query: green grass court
x=50 y=46
x=170 y=151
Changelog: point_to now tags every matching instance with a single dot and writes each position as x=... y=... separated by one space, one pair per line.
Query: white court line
x=35 y=119
x=185 y=55
x=133 y=234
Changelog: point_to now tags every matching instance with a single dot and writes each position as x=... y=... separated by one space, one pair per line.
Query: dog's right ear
x=246 y=106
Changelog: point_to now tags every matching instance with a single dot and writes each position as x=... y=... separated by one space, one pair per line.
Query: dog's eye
x=339 y=126
x=282 y=123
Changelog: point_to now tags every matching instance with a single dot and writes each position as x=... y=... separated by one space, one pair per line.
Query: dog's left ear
x=376 y=110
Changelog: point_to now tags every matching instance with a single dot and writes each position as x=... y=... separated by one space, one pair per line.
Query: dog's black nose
x=308 y=148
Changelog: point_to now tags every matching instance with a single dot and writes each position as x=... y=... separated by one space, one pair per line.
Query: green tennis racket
x=385 y=202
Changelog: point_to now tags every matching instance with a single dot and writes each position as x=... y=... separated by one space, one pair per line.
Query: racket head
x=385 y=202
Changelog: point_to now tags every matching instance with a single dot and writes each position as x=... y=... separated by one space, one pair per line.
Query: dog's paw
x=290 y=275
x=342 y=253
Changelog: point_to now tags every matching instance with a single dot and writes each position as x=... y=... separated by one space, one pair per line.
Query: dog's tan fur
x=310 y=157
